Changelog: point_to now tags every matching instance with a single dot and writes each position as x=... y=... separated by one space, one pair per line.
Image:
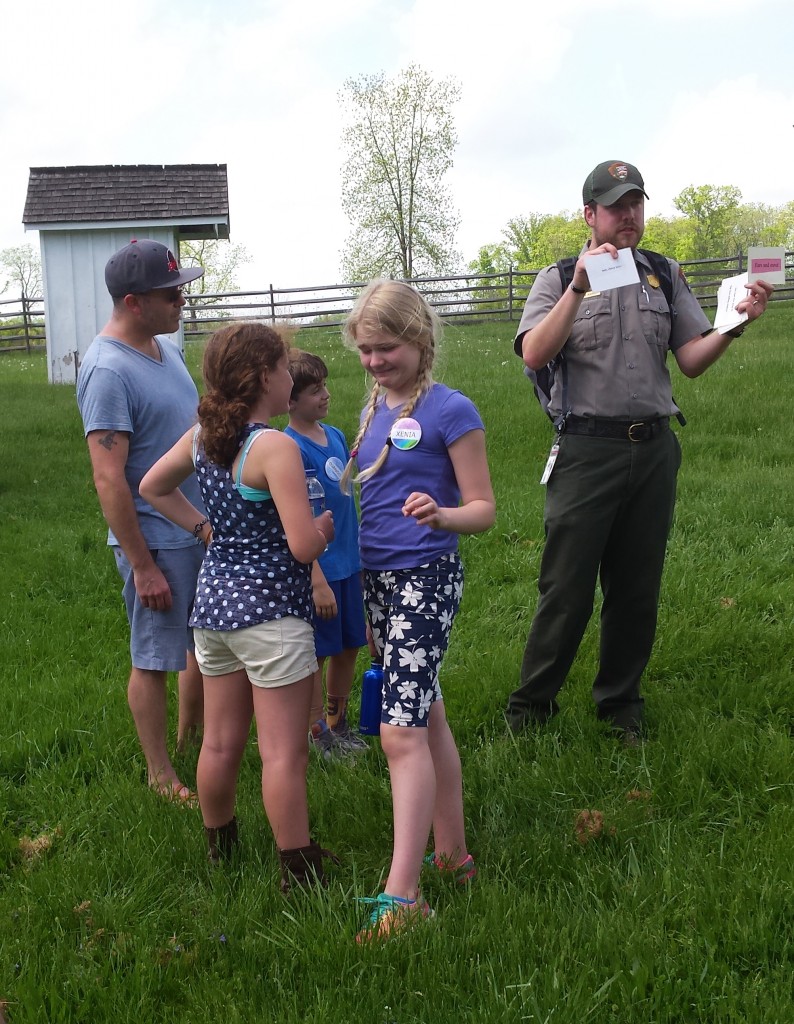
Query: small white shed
x=85 y=214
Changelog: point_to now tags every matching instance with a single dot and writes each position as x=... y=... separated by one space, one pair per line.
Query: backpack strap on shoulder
x=661 y=268
x=566 y=270
x=543 y=379
x=660 y=265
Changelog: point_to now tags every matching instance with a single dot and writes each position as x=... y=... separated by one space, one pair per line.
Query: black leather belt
x=627 y=430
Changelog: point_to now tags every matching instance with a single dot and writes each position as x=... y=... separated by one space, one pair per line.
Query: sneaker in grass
x=392 y=915
x=350 y=740
x=462 y=873
x=325 y=743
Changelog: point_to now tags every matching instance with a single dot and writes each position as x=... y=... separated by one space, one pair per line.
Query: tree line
x=712 y=222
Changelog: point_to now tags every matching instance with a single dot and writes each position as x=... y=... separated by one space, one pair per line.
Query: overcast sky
x=692 y=91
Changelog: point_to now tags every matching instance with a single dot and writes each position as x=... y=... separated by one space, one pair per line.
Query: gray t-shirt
x=617 y=350
x=120 y=388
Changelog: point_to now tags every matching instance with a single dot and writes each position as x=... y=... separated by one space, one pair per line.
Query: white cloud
x=737 y=133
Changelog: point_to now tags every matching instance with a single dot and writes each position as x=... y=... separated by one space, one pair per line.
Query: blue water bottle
x=316 y=493
x=371 y=700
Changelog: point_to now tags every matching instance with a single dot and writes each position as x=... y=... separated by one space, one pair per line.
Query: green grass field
x=679 y=911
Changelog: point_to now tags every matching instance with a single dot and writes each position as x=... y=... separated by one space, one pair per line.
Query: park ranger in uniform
x=611 y=476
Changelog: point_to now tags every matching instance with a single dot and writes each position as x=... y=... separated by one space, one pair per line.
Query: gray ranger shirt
x=617 y=350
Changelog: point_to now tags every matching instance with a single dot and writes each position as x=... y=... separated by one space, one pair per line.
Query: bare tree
x=399 y=142
x=220 y=260
x=20 y=270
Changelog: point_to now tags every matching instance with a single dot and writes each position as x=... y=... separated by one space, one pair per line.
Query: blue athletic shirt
x=341 y=559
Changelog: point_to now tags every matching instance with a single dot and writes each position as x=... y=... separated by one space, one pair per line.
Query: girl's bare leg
x=413 y=787
x=449 y=833
x=228 y=709
x=281 y=715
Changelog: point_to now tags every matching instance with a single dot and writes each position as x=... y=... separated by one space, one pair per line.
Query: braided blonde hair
x=394 y=308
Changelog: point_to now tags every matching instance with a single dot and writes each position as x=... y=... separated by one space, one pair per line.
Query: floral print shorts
x=411 y=612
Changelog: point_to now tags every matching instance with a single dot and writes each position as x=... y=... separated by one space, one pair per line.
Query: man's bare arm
x=109 y=450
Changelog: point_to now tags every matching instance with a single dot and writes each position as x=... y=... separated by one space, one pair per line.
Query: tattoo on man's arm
x=108 y=440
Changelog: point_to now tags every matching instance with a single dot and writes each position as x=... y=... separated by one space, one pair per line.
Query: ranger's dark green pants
x=609 y=508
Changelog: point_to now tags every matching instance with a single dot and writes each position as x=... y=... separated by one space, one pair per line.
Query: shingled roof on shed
x=122 y=193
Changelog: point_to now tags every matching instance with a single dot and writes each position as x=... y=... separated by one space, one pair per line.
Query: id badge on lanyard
x=555 y=451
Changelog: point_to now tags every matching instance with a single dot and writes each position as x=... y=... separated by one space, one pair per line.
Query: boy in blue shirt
x=340 y=627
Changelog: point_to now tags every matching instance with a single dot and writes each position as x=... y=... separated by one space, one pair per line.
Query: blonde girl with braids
x=419 y=457
x=252 y=615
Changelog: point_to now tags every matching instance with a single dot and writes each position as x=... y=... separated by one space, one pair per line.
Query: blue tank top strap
x=238 y=476
x=249 y=493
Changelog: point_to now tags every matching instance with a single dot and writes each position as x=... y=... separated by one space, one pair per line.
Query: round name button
x=405 y=434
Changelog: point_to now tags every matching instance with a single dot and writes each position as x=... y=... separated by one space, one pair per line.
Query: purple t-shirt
x=387 y=538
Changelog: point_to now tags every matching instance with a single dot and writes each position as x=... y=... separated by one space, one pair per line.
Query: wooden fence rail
x=459 y=298
x=21 y=320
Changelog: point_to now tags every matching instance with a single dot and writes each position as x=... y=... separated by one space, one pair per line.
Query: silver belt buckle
x=633 y=427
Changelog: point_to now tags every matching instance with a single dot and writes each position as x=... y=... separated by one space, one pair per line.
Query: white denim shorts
x=274 y=653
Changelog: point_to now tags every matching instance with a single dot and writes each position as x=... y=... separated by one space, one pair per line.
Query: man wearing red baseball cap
x=136 y=399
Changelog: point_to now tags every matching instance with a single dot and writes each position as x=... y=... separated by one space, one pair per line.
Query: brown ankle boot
x=221 y=841
x=303 y=866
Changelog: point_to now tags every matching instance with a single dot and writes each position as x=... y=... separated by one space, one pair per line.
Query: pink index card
x=767 y=263
x=762 y=266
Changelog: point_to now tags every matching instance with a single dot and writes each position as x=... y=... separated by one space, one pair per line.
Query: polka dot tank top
x=249 y=574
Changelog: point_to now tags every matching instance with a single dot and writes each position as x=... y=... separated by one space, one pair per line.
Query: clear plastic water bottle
x=316 y=493
x=371 y=700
